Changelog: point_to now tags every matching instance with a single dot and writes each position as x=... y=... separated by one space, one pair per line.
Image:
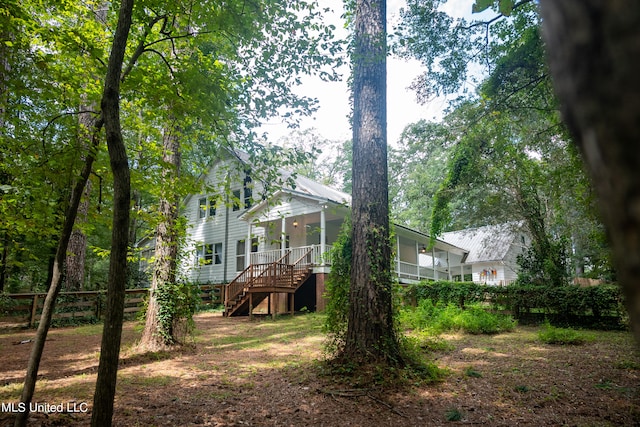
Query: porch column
x=283 y=237
x=433 y=263
x=323 y=234
x=418 y=258
x=247 y=247
x=398 y=255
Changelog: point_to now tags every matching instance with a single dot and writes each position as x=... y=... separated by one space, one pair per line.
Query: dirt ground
x=238 y=372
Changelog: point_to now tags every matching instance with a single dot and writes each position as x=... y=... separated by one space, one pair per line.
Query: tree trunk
x=4 y=264
x=594 y=53
x=112 y=333
x=56 y=281
x=370 y=333
x=77 y=250
x=158 y=335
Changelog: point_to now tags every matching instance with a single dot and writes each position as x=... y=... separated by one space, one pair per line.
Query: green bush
x=437 y=318
x=561 y=302
x=562 y=336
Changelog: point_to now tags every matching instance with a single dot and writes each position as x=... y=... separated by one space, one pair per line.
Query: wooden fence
x=26 y=308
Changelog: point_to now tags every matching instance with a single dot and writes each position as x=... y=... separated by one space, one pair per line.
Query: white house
x=243 y=234
x=492 y=251
x=270 y=244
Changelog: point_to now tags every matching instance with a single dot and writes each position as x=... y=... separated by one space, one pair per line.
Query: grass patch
x=562 y=336
x=439 y=318
x=149 y=381
x=453 y=414
x=472 y=373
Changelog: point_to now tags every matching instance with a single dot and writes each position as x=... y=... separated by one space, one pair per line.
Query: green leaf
x=506 y=7
x=482 y=5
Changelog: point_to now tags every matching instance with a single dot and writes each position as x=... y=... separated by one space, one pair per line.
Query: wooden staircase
x=258 y=281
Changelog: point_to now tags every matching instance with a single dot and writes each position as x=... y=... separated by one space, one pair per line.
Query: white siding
x=211 y=229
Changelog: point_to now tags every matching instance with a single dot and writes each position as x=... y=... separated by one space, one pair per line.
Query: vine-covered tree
x=370 y=336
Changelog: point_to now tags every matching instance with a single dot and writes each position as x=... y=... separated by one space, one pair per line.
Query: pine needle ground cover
x=266 y=373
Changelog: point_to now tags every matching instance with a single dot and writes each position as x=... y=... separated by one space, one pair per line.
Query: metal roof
x=487 y=243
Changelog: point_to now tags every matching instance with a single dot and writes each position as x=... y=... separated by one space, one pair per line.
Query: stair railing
x=253 y=275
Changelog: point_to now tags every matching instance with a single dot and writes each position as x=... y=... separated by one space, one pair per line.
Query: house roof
x=307 y=186
x=487 y=243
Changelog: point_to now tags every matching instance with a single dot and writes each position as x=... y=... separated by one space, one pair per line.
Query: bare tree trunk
x=594 y=53
x=55 y=282
x=112 y=333
x=158 y=335
x=370 y=335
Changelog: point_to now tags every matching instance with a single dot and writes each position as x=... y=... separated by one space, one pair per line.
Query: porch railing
x=313 y=252
x=315 y=257
x=411 y=271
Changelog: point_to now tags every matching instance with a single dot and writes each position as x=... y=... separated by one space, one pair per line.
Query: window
x=204 y=254
x=248 y=192
x=254 y=244
x=206 y=209
x=212 y=207
x=236 y=200
x=240 y=256
x=248 y=195
x=218 y=253
x=202 y=207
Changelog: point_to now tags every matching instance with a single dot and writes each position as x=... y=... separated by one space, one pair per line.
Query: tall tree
x=102 y=412
x=512 y=159
x=594 y=53
x=371 y=336
x=159 y=330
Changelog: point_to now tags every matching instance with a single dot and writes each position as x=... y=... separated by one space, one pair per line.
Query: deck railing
x=405 y=270
x=314 y=253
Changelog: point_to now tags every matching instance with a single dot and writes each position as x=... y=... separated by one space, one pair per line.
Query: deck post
x=292 y=306
x=274 y=306
x=250 y=305
x=34 y=309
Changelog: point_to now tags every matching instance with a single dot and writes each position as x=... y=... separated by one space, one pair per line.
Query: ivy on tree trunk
x=370 y=334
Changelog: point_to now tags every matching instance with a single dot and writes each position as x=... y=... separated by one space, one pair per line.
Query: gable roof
x=305 y=185
x=487 y=243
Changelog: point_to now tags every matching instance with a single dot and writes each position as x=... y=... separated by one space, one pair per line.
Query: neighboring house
x=492 y=251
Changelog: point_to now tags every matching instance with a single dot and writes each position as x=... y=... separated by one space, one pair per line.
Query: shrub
x=438 y=318
x=598 y=305
x=562 y=336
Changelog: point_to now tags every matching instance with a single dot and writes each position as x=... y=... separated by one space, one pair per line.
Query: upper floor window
x=202 y=208
x=248 y=191
x=206 y=207
x=236 y=200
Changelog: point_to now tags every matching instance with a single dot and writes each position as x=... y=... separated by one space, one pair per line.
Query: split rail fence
x=25 y=308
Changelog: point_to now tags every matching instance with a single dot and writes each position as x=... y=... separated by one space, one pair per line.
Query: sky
x=331 y=120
